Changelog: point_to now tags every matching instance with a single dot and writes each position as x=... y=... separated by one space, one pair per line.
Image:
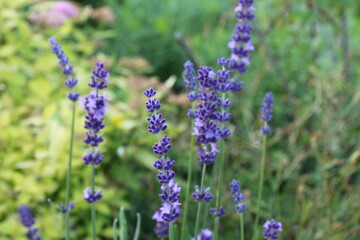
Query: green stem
x=242 y=226
x=197 y=223
x=187 y=194
x=68 y=177
x=261 y=184
x=221 y=179
x=171 y=231
x=93 y=208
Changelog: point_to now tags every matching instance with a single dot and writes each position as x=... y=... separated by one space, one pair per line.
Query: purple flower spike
x=66 y=68
x=100 y=77
x=28 y=221
x=266 y=110
x=237 y=195
x=170 y=194
x=26 y=216
x=271 y=229
x=95 y=105
x=190 y=81
x=241 y=43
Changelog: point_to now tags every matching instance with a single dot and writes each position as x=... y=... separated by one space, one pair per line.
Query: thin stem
x=221 y=179
x=197 y=223
x=187 y=194
x=68 y=177
x=171 y=230
x=261 y=184
x=93 y=208
x=242 y=226
x=216 y=228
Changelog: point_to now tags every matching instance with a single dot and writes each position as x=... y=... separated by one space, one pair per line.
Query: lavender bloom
x=237 y=196
x=28 y=221
x=206 y=234
x=241 y=43
x=95 y=105
x=66 y=68
x=190 y=80
x=170 y=192
x=70 y=207
x=271 y=229
x=91 y=196
x=266 y=110
x=100 y=77
x=217 y=212
x=206 y=196
x=162 y=227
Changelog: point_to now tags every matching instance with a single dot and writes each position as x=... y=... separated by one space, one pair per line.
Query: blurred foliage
x=313 y=169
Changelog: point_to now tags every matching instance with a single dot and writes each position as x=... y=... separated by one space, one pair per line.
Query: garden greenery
x=39 y=160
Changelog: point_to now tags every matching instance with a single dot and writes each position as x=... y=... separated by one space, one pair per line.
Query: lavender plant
x=191 y=86
x=170 y=192
x=28 y=221
x=266 y=116
x=95 y=105
x=209 y=117
x=71 y=82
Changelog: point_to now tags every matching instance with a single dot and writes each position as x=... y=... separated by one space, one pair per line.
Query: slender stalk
x=220 y=183
x=93 y=208
x=197 y=223
x=261 y=184
x=114 y=228
x=138 y=226
x=242 y=226
x=171 y=231
x=68 y=177
x=187 y=194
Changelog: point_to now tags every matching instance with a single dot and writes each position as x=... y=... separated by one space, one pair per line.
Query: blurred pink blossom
x=56 y=15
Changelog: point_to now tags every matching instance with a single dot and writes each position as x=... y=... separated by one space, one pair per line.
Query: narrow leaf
x=123 y=224
x=115 y=228
x=138 y=226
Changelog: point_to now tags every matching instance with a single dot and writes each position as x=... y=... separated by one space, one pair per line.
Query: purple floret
x=67 y=69
x=271 y=229
x=266 y=110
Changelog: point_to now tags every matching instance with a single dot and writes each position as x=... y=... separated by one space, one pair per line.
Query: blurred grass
x=312 y=181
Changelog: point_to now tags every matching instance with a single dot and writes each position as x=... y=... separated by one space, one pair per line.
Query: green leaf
x=138 y=226
x=123 y=224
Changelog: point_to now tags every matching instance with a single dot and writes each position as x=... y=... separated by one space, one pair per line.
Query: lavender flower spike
x=28 y=221
x=67 y=69
x=95 y=105
x=241 y=43
x=266 y=110
x=190 y=80
x=271 y=229
x=237 y=196
x=170 y=192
